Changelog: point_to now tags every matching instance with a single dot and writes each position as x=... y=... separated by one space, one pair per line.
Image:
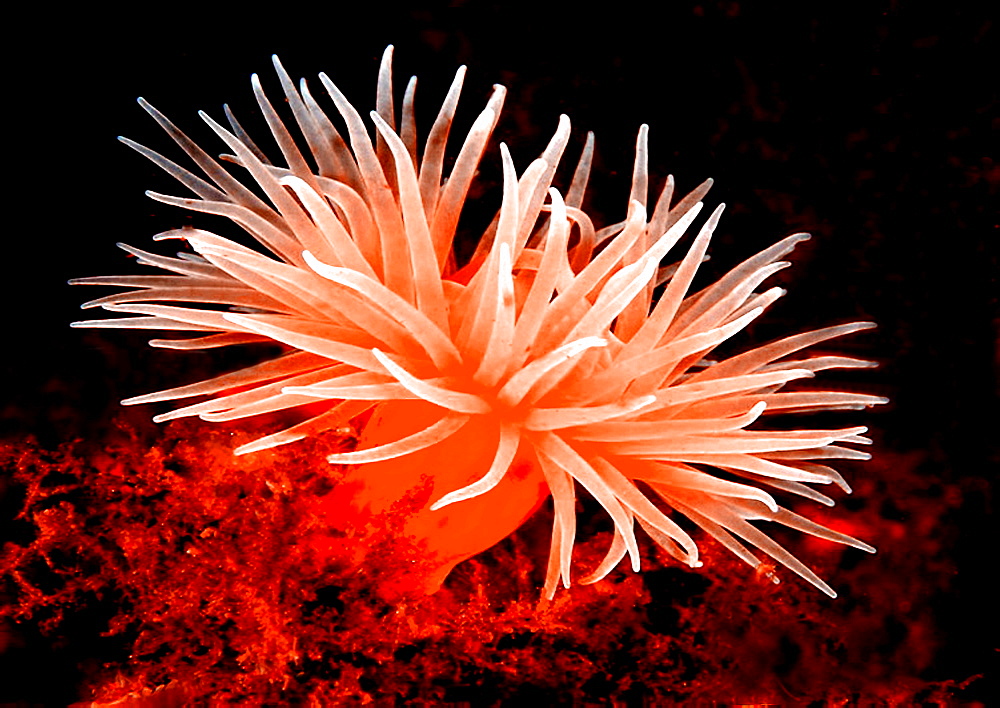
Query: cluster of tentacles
x=575 y=348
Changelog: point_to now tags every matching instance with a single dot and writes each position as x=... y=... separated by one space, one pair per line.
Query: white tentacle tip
x=448 y=500
x=768 y=501
x=317 y=266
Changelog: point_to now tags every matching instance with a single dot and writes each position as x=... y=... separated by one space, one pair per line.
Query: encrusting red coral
x=198 y=579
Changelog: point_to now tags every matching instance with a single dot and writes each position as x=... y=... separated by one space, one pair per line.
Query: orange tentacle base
x=369 y=496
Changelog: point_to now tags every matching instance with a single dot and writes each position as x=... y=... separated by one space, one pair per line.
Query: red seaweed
x=217 y=593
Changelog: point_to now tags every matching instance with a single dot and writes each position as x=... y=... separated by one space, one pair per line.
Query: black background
x=865 y=124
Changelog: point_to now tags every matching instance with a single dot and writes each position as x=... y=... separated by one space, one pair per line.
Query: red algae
x=218 y=594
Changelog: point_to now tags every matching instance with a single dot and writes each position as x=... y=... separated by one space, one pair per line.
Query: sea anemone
x=562 y=355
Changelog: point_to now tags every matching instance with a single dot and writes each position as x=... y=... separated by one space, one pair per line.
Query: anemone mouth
x=577 y=340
